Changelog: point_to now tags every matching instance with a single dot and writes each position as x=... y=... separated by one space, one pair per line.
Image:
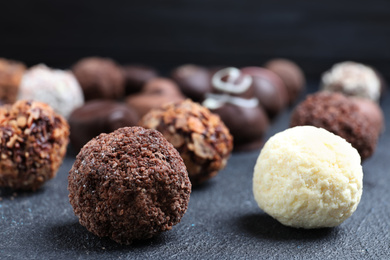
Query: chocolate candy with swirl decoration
x=233 y=98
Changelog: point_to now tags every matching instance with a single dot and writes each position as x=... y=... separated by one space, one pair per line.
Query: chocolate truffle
x=136 y=76
x=269 y=89
x=100 y=78
x=33 y=144
x=129 y=185
x=291 y=74
x=57 y=88
x=155 y=93
x=11 y=73
x=193 y=80
x=233 y=99
x=339 y=115
x=353 y=79
x=96 y=117
x=201 y=138
x=372 y=111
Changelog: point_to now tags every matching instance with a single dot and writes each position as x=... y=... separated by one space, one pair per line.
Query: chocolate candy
x=193 y=80
x=100 y=78
x=33 y=142
x=353 y=79
x=201 y=138
x=96 y=117
x=128 y=185
x=269 y=89
x=57 y=88
x=155 y=93
x=340 y=115
x=11 y=73
x=291 y=74
x=136 y=76
x=233 y=99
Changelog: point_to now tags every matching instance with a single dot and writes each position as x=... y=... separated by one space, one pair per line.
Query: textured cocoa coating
x=339 y=115
x=11 y=73
x=155 y=93
x=96 y=117
x=372 y=111
x=291 y=74
x=193 y=80
x=202 y=139
x=33 y=142
x=136 y=76
x=100 y=78
x=129 y=185
x=269 y=89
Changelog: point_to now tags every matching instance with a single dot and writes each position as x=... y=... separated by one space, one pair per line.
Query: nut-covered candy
x=33 y=142
x=201 y=138
x=11 y=73
x=128 y=185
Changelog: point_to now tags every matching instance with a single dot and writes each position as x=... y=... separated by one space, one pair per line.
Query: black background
x=168 y=33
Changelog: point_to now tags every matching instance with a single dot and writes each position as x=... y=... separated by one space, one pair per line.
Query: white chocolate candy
x=57 y=88
x=307 y=177
x=353 y=79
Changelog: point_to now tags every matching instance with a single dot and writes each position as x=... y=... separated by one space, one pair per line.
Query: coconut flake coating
x=128 y=185
x=307 y=177
x=202 y=139
x=57 y=88
x=33 y=142
x=339 y=115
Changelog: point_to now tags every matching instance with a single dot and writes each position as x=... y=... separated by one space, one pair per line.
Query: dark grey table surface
x=223 y=220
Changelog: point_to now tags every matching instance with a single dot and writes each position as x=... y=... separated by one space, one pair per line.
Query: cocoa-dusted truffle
x=136 y=76
x=33 y=144
x=96 y=117
x=339 y=115
x=155 y=93
x=100 y=78
x=201 y=138
x=233 y=99
x=291 y=74
x=193 y=80
x=128 y=185
x=269 y=89
x=372 y=111
x=11 y=73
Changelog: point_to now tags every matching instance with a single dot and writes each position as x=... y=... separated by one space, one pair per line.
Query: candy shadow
x=75 y=237
x=263 y=226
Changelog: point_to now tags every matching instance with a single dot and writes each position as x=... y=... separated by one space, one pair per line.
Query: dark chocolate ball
x=129 y=185
x=136 y=76
x=193 y=80
x=33 y=142
x=269 y=89
x=233 y=99
x=201 y=138
x=96 y=117
x=11 y=73
x=100 y=78
x=291 y=74
x=155 y=93
x=340 y=115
